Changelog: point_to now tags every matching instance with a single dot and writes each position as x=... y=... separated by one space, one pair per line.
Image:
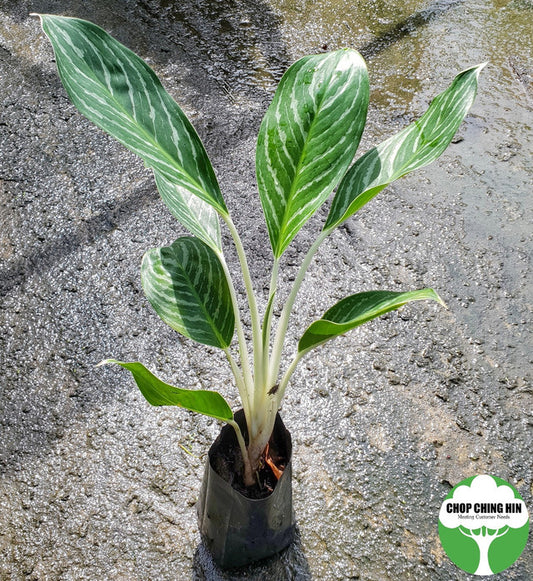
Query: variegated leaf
x=157 y=392
x=356 y=310
x=308 y=138
x=186 y=285
x=196 y=215
x=121 y=94
x=416 y=146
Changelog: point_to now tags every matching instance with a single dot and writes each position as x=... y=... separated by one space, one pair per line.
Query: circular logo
x=483 y=525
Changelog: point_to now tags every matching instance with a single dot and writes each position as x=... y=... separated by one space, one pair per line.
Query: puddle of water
x=413 y=50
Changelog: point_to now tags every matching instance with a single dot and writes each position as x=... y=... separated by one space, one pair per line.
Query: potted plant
x=305 y=149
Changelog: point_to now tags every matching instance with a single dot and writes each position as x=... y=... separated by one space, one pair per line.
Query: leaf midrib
x=150 y=138
x=200 y=225
x=292 y=191
x=200 y=301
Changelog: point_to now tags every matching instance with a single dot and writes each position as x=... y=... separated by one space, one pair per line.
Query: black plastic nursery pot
x=237 y=529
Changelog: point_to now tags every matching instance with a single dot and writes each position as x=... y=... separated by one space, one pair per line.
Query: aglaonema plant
x=305 y=149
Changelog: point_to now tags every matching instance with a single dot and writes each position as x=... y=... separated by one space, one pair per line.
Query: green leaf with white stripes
x=187 y=287
x=196 y=215
x=416 y=146
x=308 y=138
x=356 y=310
x=121 y=94
x=157 y=392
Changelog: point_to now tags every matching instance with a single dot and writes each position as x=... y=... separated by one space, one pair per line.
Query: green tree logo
x=483 y=525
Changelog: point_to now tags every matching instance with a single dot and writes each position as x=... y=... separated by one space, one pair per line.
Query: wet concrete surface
x=97 y=485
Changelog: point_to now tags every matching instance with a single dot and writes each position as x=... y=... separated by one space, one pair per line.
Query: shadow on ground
x=289 y=564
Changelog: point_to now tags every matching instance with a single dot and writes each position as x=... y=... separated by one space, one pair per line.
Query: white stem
x=271 y=407
x=287 y=309
x=258 y=444
x=267 y=324
x=243 y=347
x=256 y=326
x=248 y=475
x=241 y=385
x=286 y=377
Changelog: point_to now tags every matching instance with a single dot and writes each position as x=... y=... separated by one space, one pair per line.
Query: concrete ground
x=95 y=484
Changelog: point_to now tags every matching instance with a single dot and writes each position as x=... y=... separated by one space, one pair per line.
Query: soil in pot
x=239 y=524
x=226 y=459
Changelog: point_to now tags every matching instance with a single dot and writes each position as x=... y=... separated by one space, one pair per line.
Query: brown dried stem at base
x=268 y=459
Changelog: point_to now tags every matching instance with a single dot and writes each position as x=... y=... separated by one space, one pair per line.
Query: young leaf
x=196 y=215
x=416 y=146
x=121 y=94
x=308 y=138
x=356 y=310
x=186 y=285
x=156 y=392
